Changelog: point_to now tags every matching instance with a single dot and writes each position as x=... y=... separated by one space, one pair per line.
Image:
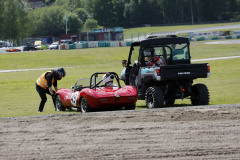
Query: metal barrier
x=94 y=44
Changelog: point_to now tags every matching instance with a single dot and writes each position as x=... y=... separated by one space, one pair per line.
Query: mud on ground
x=204 y=132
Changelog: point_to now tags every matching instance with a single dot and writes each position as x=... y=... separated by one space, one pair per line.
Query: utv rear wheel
x=58 y=104
x=84 y=105
x=200 y=95
x=154 y=97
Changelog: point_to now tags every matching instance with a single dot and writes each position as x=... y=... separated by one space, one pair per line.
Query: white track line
x=195 y=60
x=217 y=58
x=23 y=70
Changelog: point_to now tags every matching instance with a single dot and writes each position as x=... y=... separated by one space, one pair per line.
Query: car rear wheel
x=84 y=105
x=170 y=101
x=131 y=107
x=58 y=104
x=154 y=97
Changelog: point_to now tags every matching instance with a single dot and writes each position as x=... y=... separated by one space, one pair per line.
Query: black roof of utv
x=166 y=40
x=161 y=41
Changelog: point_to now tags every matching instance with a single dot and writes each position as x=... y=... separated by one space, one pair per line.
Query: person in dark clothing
x=44 y=85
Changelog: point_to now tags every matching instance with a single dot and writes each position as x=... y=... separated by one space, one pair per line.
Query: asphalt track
x=177 y=133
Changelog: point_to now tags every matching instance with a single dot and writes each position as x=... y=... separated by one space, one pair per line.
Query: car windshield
x=82 y=83
x=85 y=82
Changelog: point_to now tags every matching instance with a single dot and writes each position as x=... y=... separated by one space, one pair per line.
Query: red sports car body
x=91 y=94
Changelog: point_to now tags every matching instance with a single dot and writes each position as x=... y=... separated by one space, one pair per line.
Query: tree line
x=18 y=20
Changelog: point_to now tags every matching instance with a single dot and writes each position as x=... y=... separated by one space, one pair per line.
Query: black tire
x=154 y=97
x=170 y=102
x=131 y=107
x=58 y=104
x=84 y=105
x=200 y=95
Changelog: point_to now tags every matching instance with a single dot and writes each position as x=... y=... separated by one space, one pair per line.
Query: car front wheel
x=58 y=104
x=84 y=105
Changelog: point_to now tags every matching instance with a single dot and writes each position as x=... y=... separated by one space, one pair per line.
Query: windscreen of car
x=82 y=83
x=102 y=84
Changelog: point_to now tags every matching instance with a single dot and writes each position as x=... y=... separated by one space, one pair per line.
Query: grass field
x=19 y=97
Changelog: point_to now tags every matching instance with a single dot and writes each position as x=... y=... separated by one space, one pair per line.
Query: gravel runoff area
x=203 y=132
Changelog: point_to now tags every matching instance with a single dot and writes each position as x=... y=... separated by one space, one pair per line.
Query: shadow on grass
x=122 y=109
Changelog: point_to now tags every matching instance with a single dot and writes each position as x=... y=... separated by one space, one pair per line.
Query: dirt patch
x=205 y=132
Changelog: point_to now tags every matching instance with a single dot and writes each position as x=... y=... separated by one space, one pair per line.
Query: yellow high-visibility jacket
x=42 y=82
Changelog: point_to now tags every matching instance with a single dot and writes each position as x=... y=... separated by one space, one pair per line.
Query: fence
x=94 y=44
x=214 y=38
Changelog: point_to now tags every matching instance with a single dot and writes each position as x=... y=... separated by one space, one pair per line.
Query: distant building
x=6 y=44
x=36 y=3
x=104 y=34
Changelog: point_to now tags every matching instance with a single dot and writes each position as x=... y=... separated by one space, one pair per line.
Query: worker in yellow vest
x=44 y=85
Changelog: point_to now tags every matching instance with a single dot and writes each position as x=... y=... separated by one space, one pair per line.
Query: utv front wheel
x=200 y=95
x=154 y=97
x=58 y=104
x=84 y=105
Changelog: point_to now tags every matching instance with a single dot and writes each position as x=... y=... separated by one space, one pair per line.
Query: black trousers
x=42 y=93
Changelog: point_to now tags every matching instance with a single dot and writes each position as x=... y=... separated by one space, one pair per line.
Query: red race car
x=12 y=49
x=96 y=93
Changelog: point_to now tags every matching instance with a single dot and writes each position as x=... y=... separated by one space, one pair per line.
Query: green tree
x=70 y=5
x=103 y=12
x=231 y=10
x=13 y=19
x=90 y=24
x=74 y=4
x=88 y=5
x=139 y=12
x=1 y=18
x=62 y=3
x=82 y=14
x=118 y=12
x=75 y=24
x=49 y=2
x=47 y=21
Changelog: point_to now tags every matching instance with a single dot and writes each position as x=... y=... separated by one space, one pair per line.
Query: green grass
x=202 y=50
x=19 y=97
x=141 y=31
x=66 y=58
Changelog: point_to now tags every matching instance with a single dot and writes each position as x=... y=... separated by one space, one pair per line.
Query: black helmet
x=61 y=71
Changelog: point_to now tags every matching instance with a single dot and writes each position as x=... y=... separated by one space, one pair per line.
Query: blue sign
x=118 y=29
x=97 y=30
